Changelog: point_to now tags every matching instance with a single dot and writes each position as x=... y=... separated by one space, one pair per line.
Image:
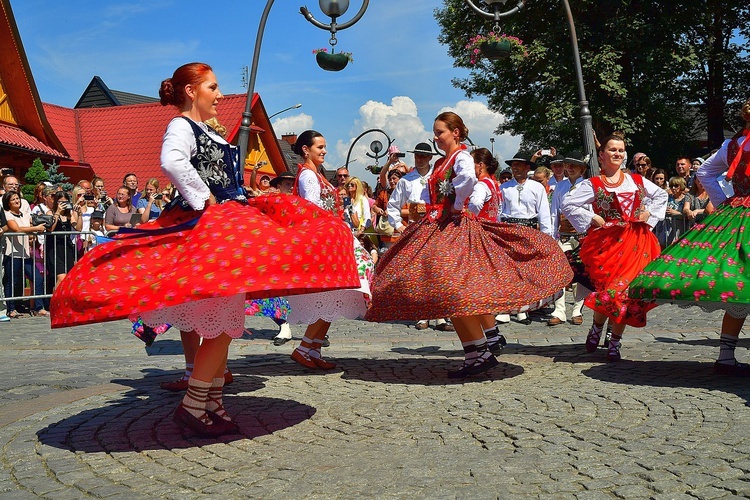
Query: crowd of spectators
x=55 y=229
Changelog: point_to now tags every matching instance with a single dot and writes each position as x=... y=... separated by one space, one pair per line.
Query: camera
x=88 y=197
x=66 y=206
x=401 y=155
x=546 y=152
x=158 y=196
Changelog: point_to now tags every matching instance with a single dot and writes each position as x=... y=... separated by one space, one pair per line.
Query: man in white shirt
x=412 y=190
x=525 y=203
x=524 y=199
x=575 y=165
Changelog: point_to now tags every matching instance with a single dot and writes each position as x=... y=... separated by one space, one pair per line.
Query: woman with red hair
x=195 y=265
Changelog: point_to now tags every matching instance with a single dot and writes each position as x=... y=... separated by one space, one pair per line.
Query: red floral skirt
x=465 y=267
x=613 y=256
x=274 y=246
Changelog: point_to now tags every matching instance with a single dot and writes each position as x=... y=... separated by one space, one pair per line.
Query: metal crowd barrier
x=672 y=228
x=35 y=263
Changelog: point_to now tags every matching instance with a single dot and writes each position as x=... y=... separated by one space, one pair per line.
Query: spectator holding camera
x=119 y=213
x=394 y=162
x=150 y=204
x=60 y=252
x=17 y=261
x=102 y=200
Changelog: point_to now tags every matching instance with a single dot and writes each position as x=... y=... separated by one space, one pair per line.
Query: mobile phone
x=88 y=197
x=401 y=155
x=546 y=152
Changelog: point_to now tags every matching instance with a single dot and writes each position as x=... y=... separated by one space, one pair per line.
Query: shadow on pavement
x=418 y=371
x=665 y=373
x=141 y=419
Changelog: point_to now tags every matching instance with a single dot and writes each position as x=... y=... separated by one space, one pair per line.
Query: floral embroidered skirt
x=464 y=266
x=337 y=304
x=205 y=265
x=613 y=255
x=708 y=266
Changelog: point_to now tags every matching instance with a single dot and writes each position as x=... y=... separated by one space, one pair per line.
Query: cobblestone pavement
x=82 y=415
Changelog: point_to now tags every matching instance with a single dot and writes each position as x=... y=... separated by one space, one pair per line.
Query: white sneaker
x=284 y=332
x=4 y=318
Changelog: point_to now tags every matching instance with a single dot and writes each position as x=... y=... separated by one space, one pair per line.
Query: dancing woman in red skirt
x=211 y=249
x=619 y=242
x=451 y=264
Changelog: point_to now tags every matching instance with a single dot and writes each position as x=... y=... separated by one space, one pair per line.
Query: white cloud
x=401 y=121
x=294 y=124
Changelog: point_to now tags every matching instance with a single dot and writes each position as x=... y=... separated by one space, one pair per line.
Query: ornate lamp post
x=587 y=129
x=375 y=146
x=331 y=8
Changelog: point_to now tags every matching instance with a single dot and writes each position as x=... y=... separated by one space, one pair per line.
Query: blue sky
x=399 y=81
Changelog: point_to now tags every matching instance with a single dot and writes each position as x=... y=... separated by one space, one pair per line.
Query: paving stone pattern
x=82 y=415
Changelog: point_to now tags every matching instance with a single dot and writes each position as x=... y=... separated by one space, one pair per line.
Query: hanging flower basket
x=494 y=47
x=496 y=50
x=332 y=62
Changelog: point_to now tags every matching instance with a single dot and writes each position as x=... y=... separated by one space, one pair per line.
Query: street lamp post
x=492 y=145
x=376 y=146
x=587 y=130
x=333 y=9
x=298 y=105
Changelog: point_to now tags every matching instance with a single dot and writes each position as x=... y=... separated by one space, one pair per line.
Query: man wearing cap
x=524 y=199
x=284 y=182
x=525 y=203
x=575 y=166
x=413 y=192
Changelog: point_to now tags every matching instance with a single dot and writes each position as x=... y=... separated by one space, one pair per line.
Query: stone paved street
x=82 y=415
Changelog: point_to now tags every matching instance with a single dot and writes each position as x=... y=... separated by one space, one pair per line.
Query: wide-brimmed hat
x=522 y=157
x=283 y=175
x=423 y=149
x=558 y=158
x=576 y=158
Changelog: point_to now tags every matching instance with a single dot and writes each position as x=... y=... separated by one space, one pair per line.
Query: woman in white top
x=360 y=206
x=211 y=248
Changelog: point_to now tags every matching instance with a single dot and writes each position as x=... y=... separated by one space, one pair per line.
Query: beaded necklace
x=611 y=184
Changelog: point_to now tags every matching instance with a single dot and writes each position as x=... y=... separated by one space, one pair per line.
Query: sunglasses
x=674 y=185
x=641 y=164
x=342 y=175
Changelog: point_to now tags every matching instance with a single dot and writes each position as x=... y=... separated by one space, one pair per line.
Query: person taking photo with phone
x=150 y=205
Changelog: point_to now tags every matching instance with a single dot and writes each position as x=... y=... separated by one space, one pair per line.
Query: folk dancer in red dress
x=472 y=268
x=708 y=266
x=619 y=240
x=212 y=248
x=485 y=203
x=318 y=310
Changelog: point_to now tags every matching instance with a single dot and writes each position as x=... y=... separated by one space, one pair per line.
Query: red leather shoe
x=323 y=364
x=175 y=386
x=228 y=377
x=303 y=359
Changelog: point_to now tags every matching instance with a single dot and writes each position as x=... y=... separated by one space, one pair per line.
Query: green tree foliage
x=34 y=176
x=641 y=64
x=58 y=178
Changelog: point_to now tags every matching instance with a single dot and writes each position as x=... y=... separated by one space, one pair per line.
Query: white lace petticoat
x=734 y=310
x=209 y=318
x=329 y=306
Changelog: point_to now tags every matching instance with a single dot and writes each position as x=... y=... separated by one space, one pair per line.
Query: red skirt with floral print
x=466 y=267
x=614 y=255
x=276 y=245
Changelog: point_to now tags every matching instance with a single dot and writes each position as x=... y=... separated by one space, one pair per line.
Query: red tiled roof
x=122 y=139
x=14 y=136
